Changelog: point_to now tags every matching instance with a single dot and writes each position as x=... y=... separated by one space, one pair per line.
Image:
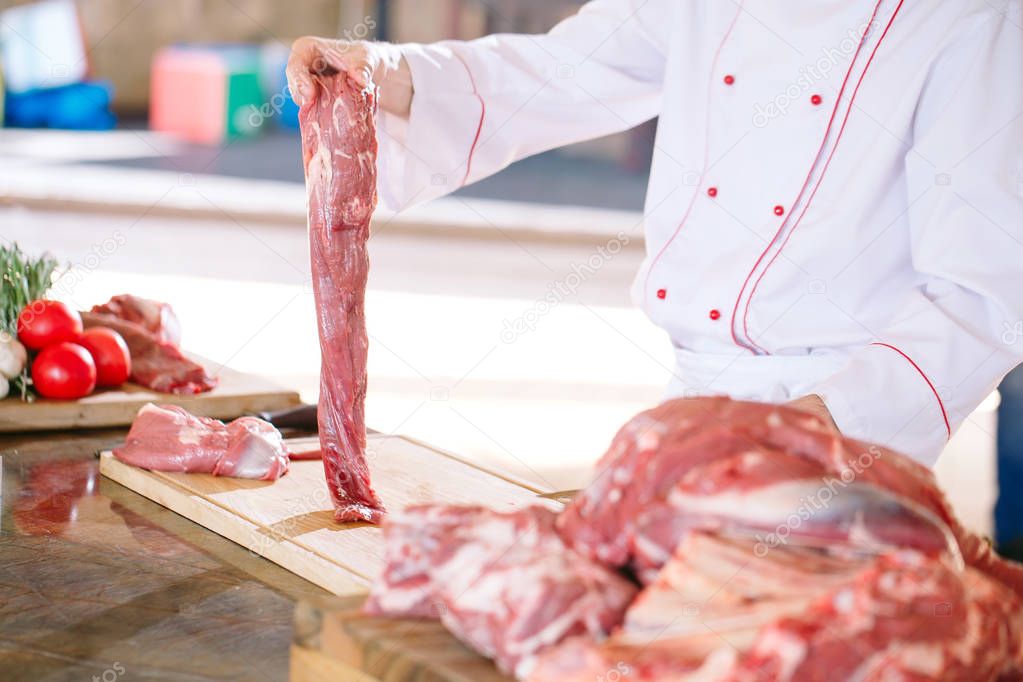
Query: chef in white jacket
x=834 y=214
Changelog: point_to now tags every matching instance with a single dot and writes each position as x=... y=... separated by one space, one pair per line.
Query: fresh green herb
x=22 y=280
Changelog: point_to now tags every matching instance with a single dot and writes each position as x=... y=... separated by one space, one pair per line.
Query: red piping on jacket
x=944 y=414
x=479 y=126
x=806 y=183
x=809 y=201
x=706 y=149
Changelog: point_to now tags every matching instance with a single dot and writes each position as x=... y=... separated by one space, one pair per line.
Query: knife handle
x=301 y=417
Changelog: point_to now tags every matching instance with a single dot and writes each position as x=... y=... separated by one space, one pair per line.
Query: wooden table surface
x=97 y=582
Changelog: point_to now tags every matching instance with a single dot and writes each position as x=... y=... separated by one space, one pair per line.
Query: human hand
x=816 y=406
x=368 y=64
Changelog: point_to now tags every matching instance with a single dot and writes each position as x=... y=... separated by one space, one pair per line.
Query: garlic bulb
x=12 y=356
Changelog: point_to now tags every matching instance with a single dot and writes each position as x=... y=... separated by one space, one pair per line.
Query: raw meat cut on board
x=711 y=582
x=156 y=317
x=708 y=604
x=717 y=464
x=718 y=612
x=503 y=583
x=169 y=438
x=339 y=148
x=764 y=547
x=906 y=617
x=155 y=364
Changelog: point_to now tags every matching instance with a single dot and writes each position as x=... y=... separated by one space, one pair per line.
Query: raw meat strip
x=716 y=463
x=155 y=364
x=168 y=438
x=339 y=148
x=503 y=583
x=157 y=318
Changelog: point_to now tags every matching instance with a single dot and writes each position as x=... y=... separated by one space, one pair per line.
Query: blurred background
x=151 y=145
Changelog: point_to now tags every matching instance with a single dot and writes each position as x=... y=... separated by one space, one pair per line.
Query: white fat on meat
x=319 y=169
x=789 y=650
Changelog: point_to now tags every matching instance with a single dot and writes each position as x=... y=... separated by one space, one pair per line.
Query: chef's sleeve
x=961 y=329
x=480 y=105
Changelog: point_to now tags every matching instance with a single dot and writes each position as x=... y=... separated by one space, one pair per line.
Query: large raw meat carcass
x=339 y=149
x=717 y=464
x=763 y=546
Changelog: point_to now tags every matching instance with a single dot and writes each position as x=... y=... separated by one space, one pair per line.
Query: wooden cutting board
x=334 y=641
x=291 y=521
x=236 y=394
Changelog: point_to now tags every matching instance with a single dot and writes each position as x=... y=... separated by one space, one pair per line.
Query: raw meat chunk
x=772 y=471
x=726 y=616
x=155 y=364
x=709 y=601
x=503 y=583
x=771 y=548
x=168 y=438
x=339 y=149
x=155 y=317
x=906 y=617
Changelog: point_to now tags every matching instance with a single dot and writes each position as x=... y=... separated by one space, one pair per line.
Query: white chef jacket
x=835 y=198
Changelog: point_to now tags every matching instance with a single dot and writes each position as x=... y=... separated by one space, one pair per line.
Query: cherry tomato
x=64 y=371
x=43 y=323
x=110 y=353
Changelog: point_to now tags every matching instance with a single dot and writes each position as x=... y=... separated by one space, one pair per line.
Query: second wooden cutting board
x=236 y=394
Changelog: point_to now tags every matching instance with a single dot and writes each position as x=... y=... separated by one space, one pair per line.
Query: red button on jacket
x=662 y=294
x=779 y=210
x=816 y=100
x=715 y=314
x=712 y=191
x=729 y=79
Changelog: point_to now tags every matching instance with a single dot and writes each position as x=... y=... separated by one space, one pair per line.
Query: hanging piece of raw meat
x=339 y=149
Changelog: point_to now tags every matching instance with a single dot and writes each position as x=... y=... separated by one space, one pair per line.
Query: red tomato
x=43 y=323
x=64 y=371
x=110 y=353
